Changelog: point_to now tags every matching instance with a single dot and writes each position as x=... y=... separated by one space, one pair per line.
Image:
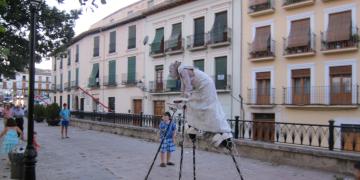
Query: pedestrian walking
x=65 y=118
x=167 y=132
x=18 y=113
x=11 y=138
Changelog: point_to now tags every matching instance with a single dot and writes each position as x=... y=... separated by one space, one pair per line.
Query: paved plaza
x=92 y=155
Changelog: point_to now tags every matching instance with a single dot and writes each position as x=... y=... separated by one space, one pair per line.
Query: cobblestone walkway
x=91 y=155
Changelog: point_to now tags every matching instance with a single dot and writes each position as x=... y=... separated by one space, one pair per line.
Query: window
x=157 y=45
x=96 y=46
x=221 y=72
x=69 y=56
x=68 y=101
x=219 y=30
x=299 y=40
x=77 y=77
x=159 y=77
x=159 y=108
x=199 y=32
x=301 y=86
x=69 y=80
x=341 y=85
x=112 y=73
x=77 y=53
x=263 y=89
x=61 y=102
x=61 y=82
x=137 y=106
x=132 y=37
x=261 y=46
x=199 y=64
x=111 y=104
x=131 y=75
x=61 y=63
x=55 y=61
x=94 y=76
x=112 y=45
x=175 y=41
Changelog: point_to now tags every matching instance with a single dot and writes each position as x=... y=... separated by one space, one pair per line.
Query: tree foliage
x=54 y=29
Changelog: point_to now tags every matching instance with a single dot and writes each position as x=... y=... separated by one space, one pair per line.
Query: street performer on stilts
x=204 y=111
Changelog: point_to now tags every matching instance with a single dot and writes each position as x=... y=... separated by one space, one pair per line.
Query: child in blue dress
x=168 y=145
x=11 y=138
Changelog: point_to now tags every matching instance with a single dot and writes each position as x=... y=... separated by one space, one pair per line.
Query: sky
x=87 y=18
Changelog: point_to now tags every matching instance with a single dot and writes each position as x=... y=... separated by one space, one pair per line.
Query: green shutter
x=69 y=77
x=159 y=37
x=94 y=73
x=61 y=82
x=220 y=26
x=77 y=77
x=77 y=53
x=199 y=34
x=175 y=35
x=112 y=45
x=112 y=72
x=131 y=70
x=69 y=57
x=220 y=72
x=96 y=46
x=199 y=64
x=132 y=37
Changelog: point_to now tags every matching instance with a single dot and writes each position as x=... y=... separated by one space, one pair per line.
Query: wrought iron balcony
x=59 y=88
x=261 y=96
x=157 y=49
x=67 y=86
x=321 y=95
x=94 y=82
x=74 y=84
x=169 y=85
x=110 y=81
x=259 y=9
x=290 y=4
x=300 y=50
x=196 y=42
x=174 y=46
x=130 y=79
x=267 y=54
x=216 y=38
x=352 y=43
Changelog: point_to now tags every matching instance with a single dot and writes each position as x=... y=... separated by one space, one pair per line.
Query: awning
x=159 y=37
x=299 y=33
x=339 y=27
x=262 y=39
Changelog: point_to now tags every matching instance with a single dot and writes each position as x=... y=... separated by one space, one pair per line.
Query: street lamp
x=30 y=152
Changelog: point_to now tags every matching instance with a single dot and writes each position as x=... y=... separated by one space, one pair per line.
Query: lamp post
x=30 y=152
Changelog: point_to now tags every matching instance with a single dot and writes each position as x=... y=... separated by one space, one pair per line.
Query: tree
x=54 y=29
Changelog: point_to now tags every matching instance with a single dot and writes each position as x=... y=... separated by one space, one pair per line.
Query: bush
x=52 y=114
x=39 y=113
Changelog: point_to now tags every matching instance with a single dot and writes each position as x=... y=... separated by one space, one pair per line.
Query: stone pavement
x=92 y=155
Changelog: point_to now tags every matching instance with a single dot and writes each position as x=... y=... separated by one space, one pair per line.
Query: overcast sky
x=88 y=17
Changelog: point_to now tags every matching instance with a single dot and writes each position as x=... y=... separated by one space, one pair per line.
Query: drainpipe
x=241 y=53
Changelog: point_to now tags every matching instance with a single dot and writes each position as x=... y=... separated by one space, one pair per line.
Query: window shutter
x=341 y=70
x=263 y=75
x=220 y=26
x=69 y=77
x=69 y=56
x=339 y=27
x=77 y=53
x=94 y=73
x=299 y=33
x=112 y=46
x=199 y=64
x=262 y=39
x=199 y=34
x=220 y=72
x=159 y=37
x=112 y=72
x=77 y=77
x=96 y=46
x=175 y=35
x=132 y=37
x=131 y=69
x=300 y=73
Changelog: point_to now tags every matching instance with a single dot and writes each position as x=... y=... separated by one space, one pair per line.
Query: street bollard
x=16 y=157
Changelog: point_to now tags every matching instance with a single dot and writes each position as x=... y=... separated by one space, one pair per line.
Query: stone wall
x=309 y=157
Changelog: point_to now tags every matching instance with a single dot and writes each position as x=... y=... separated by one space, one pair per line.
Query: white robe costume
x=204 y=111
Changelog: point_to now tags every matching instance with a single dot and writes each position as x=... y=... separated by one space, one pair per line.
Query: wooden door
x=159 y=109
x=350 y=137
x=264 y=127
x=137 y=108
x=341 y=90
x=159 y=86
x=263 y=92
x=301 y=91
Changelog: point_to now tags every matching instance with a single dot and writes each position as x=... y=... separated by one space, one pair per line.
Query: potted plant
x=39 y=111
x=52 y=114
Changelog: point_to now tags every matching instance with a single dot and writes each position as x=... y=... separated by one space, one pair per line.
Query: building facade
x=300 y=61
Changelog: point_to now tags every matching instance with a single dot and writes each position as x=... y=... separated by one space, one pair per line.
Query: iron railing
x=129 y=80
x=219 y=37
x=321 y=95
x=169 y=85
x=107 y=81
x=352 y=42
x=59 y=87
x=196 y=40
x=289 y=2
x=139 y=120
x=269 y=52
x=261 y=96
x=74 y=84
x=157 y=48
x=261 y=7
x=310 y=47
x=67 y=86
x=178 y=42
x=96 y=83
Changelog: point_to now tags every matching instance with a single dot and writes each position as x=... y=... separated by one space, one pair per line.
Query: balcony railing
x=256 y=54
x=309 y=48
x=53 y=87
x=131 y=80
x=67 y=86
x=352 y=42
x=216 y=37
x=222 y=82
x=110 y=81
x=169 y=85
x=261 y=7
x=289 y=2
x=174 y=46
x=261 y=96
x=196 y=41
x=59 y=88
x=74 y=84
x=322 y=95
x=94 y=82
x=157 y=49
